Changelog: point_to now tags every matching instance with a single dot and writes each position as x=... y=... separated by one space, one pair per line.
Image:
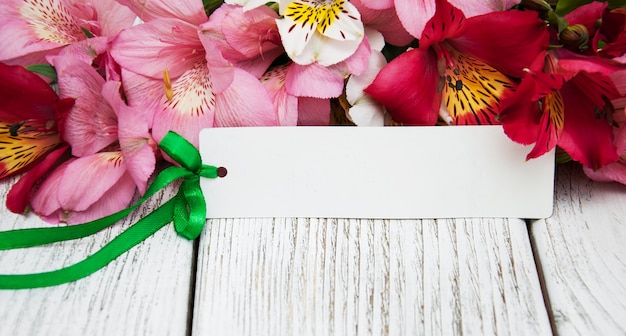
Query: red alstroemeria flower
x=565 y=101
x=612 y=33
x=462 y=66
x=31 y=114
x=605 y=29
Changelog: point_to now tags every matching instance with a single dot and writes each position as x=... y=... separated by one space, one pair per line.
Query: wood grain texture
x=583 y=255
x=143 y=292
x=367 y=277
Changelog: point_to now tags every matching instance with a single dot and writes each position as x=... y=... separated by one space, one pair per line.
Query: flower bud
x=575 y=37
x=537 y=5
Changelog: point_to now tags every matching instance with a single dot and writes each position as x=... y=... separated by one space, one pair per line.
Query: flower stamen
x=167 y=85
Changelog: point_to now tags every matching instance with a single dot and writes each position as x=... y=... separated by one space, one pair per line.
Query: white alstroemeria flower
x=322 y=31
x=365 y=110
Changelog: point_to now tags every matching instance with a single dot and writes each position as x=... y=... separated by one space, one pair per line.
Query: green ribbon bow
x=187 y=210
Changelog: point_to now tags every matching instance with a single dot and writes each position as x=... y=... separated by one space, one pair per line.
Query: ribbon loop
x=190 y=211
x=181 y=151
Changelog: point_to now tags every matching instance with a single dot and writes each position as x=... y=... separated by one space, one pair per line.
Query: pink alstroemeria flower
x=37 y=27
x=293 y=110
x=91 y=124
x=110 y=142
x=114 y=173
x=249 y=39
x=189 y=11
x=65 y=197
x=171 y=69
x=462 y=66
x=301 y=93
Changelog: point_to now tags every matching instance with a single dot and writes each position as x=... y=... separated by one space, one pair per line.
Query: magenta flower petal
x=575 y=63
x=407 y=87
x=521 y=114
x=614 y=171
x=585 y=138
x=20 y=194
x=24 y=95
x=31 y=116
x=500 y=48
x=447 y=23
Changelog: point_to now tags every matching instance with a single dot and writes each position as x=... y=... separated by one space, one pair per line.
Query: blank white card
x=374 y=172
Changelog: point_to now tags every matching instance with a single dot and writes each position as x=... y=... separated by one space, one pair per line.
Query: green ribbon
x=187 y=210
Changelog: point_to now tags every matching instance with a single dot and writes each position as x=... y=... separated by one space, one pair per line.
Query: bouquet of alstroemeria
x=89 y=88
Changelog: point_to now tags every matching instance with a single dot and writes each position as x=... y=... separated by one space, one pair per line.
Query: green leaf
x=562 y=156
x=617 y=3
x=557 y=21
x=44 y=69
x=211 y=5
x=565 y=6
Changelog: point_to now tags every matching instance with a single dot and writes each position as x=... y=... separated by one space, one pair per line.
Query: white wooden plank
x=367 y=277
x=583 y=256
x=144 y=292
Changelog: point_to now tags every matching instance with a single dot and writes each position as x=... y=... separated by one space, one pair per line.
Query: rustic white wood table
x=564 y=275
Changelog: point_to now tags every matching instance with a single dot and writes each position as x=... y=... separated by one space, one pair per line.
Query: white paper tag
x=374 y=172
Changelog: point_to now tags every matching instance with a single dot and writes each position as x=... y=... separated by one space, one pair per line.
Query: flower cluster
x=90 y=87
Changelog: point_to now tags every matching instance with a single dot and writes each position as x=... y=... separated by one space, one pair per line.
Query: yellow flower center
x=309 y=12
x=471 y=89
